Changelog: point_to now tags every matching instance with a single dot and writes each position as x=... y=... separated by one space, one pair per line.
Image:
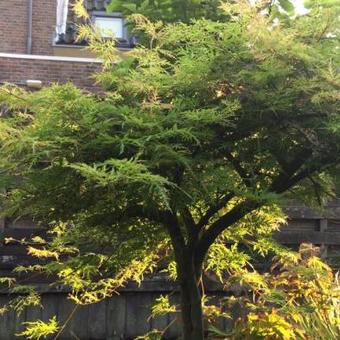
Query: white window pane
x=109 y=26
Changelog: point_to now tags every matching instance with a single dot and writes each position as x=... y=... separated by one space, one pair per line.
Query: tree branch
x=282 y=183
x=300 y=158
x=220 y=225
x=213 y=210
x=171 y=223
x=239 y=169
x=190 y=225
x=286 y=178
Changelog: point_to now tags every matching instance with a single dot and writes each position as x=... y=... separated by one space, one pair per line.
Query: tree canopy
x=195 y=139
x=169 y=10
x=187 y=10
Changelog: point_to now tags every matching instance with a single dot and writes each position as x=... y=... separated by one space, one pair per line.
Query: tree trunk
x=191 y=302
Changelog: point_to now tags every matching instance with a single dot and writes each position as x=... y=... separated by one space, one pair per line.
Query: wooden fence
x=127 y=315
x=321 y=228
x=124 y=316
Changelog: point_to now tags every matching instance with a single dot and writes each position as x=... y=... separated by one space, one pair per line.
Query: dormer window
x=110 y=26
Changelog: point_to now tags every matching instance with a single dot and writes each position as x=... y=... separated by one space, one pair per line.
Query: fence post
x=323 y=224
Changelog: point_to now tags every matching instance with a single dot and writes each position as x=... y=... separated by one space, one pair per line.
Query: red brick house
x=37 y=41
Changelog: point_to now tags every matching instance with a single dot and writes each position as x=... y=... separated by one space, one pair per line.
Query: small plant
x=298 y=299
x=38 y=329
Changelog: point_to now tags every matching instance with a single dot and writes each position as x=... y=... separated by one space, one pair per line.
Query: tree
x=187 y=10
x=204 y=128
x=169 y=10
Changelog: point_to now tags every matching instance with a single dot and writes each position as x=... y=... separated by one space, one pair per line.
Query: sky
x=300 y=9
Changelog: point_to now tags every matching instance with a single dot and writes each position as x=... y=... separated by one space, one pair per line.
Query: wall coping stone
x=50 y=58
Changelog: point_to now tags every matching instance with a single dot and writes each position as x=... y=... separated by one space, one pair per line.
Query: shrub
x=298 y=299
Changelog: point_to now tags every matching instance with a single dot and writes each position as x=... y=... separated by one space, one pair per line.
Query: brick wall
x=48 y=70
x=14 y=26
x=43 y=27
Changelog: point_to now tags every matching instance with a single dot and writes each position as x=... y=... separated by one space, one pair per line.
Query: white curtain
x=62 y=9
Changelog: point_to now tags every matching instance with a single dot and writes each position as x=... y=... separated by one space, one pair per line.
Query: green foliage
x=184 y=157
x=187 y=10
x=169 y=10
x=162 y=306
x=152 y=335
x=299 y=298
x=9 y=281
x=25 y=296
x=35 y=330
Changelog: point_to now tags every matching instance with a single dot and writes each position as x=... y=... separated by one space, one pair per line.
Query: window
x=112 y=23
x=109 y=26
x=109 y=23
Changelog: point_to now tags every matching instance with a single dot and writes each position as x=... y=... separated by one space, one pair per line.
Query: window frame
x=113 y=15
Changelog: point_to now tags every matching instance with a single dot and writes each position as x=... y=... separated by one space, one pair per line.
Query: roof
x=97 y=5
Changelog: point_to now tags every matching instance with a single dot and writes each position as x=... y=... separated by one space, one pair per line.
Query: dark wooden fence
x=127 y=315
x=321 y=228
x=123 y=316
